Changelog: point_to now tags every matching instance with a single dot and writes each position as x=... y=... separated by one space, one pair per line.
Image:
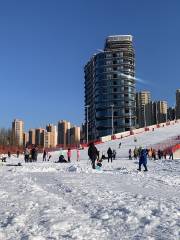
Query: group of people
x=151 y=153
x=62 y=158
x=31 y=154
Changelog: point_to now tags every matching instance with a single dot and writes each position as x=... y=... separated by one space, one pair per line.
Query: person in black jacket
x=110 y=154
x=93 y=154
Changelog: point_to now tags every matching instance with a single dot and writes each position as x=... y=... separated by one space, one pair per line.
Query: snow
x=47 y=200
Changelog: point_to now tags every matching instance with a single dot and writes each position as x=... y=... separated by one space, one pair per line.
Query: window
x=114 y=75
x=115 y=123
x=114 y=96
x=115 y=113
x=115 y=89
x=126 y=120
x=114 y=83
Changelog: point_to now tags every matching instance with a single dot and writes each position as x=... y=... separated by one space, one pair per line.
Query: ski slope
x=47 y=200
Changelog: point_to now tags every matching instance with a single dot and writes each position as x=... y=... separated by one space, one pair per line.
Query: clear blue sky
x=44 y=45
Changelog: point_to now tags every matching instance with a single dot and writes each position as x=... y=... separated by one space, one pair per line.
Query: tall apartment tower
x=17 y=131
x=39 y=136
x=53 y=135
x=160 y=111
x=143 y=109
x=64 y=133
x=110 y=88
x=75 y=135
x=32 y=136
x=177 y=103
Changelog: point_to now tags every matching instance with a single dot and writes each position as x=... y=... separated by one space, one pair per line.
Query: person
x=150 y=154
x=171 y=154
x=9 y=154
x=44 y=155
x=93 y=154
x=114 y=154
x=69 y=154
x=135 y=153
x=130 y=154
x=78 y=154
x=61 y=159
x=143 y=160
x=154 y=154
x=164 y=154
x=26 y=154
x=159 y=154
x=34 y=154
x=120 y=145
x=110 y=154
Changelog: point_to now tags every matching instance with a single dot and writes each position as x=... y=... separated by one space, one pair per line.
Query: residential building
x=25 y=139
x=110 y=88
x=75 y=135
x=53 y=135
x=143 y=109
x=32 y=136
x=160 y=111
x=17 y=132
x=39 y=136
x=64 y=133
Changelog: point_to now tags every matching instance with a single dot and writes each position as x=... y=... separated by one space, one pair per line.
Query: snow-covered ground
x=47 y=200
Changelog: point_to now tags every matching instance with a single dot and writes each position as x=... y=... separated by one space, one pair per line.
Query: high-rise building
x=25 y=138
x=64 y=133
x=143 y=109
x=110 y=88
x=53 y=135
x=32 y=136
x=17 y=132
x=177 y=103
x=171 y=113
x=75 y=135
x=39 y=136
x=160 y=111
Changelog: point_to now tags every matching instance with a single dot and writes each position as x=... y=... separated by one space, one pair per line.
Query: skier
x=143 y=160
x=120 y=145
x=69 y=154
x=110 y=154
x=93 y=154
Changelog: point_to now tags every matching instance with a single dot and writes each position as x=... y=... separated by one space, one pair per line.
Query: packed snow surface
x=47 y=200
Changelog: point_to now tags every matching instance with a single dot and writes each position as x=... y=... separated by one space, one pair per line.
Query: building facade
x=17 y=132
x=110 y=88
x=160 y=111
x=75 y=136
x=52 y=130
x=39 y=136
x=32 y=136
x=144 y=109
x=178 y=104
x=64 y=133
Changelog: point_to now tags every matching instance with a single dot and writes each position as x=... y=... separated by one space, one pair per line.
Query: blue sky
x=44 y=45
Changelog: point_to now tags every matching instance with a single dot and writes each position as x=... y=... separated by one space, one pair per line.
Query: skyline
x=45 y=45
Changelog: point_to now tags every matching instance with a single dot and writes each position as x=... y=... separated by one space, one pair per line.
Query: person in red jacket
x=69 y=154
